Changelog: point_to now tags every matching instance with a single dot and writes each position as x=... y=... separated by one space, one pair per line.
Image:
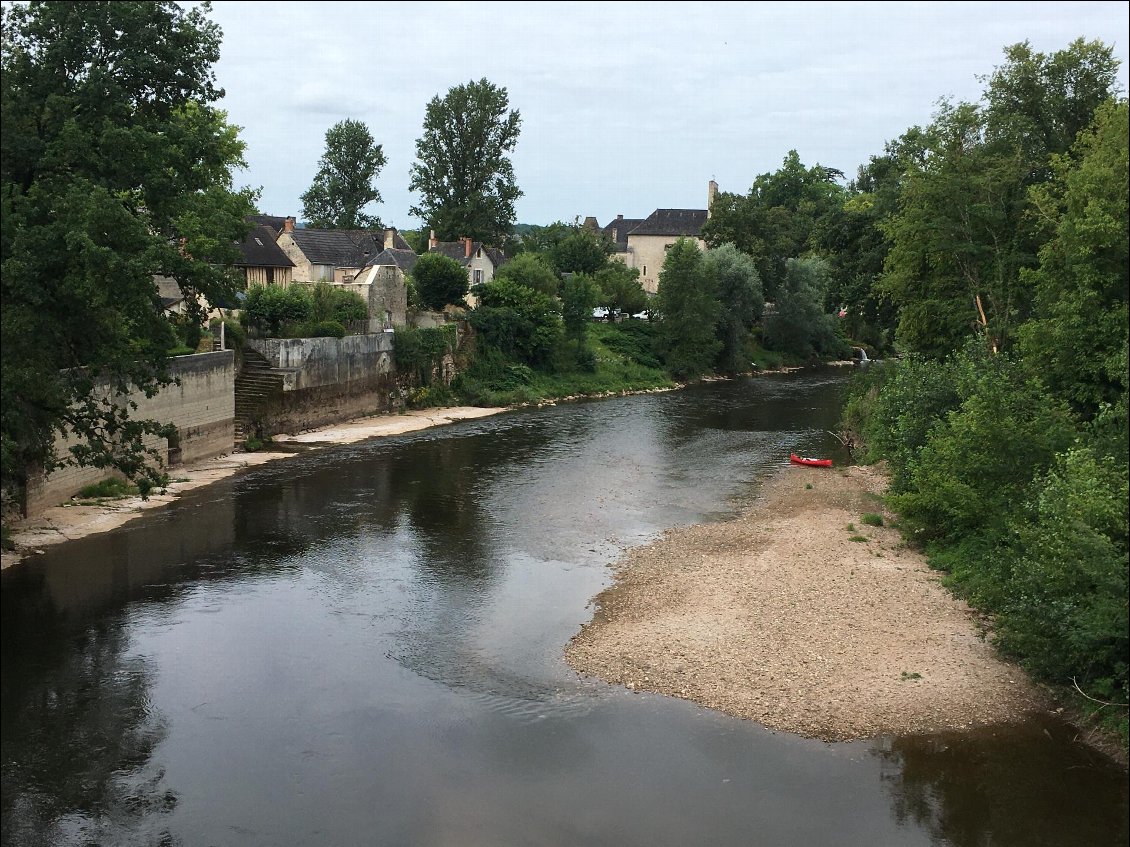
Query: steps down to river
x=256 y=384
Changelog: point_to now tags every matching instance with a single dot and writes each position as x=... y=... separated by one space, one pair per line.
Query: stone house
x=643 y=243
x=480 y=261
x=333 y=255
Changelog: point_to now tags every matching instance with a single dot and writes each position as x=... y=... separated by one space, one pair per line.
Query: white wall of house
x=647 y=253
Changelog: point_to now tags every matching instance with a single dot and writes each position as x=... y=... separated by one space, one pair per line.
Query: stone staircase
x=256 y=384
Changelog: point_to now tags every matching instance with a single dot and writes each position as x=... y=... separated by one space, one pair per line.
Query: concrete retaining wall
x=329 y=380
x=202 y=407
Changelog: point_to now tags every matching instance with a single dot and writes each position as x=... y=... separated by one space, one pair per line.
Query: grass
x=872 y=519
x=850 y=527
x=108 y=489
x=808 y=485
x=904 y=676
x=858 y=538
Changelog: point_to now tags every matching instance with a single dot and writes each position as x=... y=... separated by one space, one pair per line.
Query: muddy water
x=364 y=646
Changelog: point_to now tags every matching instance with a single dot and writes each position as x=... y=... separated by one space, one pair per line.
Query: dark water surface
x=363 y=646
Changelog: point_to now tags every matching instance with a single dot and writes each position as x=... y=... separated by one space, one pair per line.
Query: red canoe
x=816 y=463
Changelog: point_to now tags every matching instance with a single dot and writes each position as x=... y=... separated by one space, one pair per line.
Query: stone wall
x=202 y=407
x=329 y=380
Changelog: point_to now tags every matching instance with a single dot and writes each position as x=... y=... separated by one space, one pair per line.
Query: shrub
x=522 y=323
x=107 y=488
x=438 y=281
x=871 y=519
x=269 y=307
x=315 y=329
x=332 y=303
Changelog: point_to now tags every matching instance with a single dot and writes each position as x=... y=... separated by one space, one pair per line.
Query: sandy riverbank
x=68 y=522
x=779 y=617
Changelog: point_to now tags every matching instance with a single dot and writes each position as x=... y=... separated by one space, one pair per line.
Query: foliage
x=234 y=333
x=739 y=291
x=531 y=238
x=463 y=173
x=799 y=325
x=333 y=303
x=116 y=167
x=112 y=487
x=524 y=324
x=314 y=329
x=778 y=219
x=420 y=352
x=269 y=307
x=346 y=179
x=1065 y=614
x=960 y=241
x=688 y=301
x=582 y=251
x=439 y=280
x=579 y=295
x=1079 y=332
x=620 y=289
x=531 y=271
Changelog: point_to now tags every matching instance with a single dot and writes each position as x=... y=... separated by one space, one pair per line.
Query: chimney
x=466 y=248
x=711 y=193
x=288 y=225
x=390 y=238
x=433 y=242
x=619 y=217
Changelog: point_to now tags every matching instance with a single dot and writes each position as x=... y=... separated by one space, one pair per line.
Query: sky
x=626 y=107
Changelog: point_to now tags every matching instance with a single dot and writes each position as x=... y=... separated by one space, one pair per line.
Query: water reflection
x=1018 y=786
x=363 y=645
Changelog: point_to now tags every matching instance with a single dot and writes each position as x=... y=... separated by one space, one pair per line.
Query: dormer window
x=257 y=241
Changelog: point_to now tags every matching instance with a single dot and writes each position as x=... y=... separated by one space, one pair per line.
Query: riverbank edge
x=69 y=522
x=629 y=638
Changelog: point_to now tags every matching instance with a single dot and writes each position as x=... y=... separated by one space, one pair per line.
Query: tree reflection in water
x=1013 y=786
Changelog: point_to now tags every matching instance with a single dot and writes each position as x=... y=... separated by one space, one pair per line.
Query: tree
x=1077 y=340
x=688 y=302
x=579 y=295
x=520 y=322
x=439 y=281
x=962 y=241
x=620 y=289
x=739 y=292
x=582 y=251
x=779 y=219
x=463 y=172
x=532 y=271
x=800 y=325
x=116 y=167
x=346 y=179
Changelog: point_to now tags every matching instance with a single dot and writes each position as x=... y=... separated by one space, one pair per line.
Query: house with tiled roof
x=643 y=243
x=262 y=260
x=333 y=255
x=480 y=260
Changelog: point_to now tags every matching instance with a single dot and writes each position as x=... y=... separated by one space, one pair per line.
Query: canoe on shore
x=804 y=460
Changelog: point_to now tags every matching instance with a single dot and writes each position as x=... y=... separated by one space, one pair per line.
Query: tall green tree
x=739 y=292
x=962 y=237
x=800 y=325
x=779 y=218
x=463 y=171
x=1078 y=339
x=115 y=167
x=346 y=179
x=579 y=296
x=688 y=301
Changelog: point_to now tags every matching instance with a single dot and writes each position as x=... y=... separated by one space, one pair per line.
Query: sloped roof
x=343 y=248
x=672 y=222
x=273 y=221
x=403 y=259
x=621 y=226
x=259 y=250
x=457 y=250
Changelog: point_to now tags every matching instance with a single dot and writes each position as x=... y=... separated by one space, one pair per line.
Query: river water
x=363 y=645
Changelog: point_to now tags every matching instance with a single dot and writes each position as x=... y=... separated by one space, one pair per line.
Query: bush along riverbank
x=1021 y=501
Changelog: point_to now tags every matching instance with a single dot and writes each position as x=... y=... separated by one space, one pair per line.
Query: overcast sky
x=626 y=107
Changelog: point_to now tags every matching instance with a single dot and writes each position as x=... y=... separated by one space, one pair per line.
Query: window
x=477 y=276
x=257 y=241
x=644 y=271
x=270 y=274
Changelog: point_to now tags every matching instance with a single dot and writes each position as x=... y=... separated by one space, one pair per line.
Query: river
x=363 y=645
